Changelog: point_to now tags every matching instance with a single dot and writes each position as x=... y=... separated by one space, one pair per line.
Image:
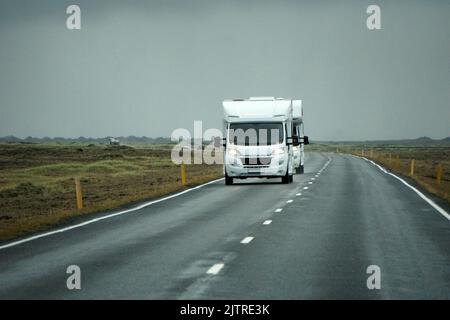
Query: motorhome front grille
x=256 y=167
x=260 y=161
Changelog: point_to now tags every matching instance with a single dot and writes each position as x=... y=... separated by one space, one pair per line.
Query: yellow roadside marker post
x=79 y=194
x=183 y=174
x=411 y=172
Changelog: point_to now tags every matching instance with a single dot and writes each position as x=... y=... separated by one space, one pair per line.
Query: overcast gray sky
x=148 y=67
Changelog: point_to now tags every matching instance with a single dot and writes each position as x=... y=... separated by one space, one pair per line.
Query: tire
x=286 y=178
x=228 y=180
x=300 y=169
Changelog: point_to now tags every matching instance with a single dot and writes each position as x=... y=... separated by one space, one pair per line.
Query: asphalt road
x=352 y=215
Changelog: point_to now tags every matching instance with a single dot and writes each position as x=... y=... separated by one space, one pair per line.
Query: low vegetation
x=37 y=188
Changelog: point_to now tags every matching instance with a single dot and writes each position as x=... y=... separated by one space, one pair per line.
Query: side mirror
x=305 y=140
x=288 y=140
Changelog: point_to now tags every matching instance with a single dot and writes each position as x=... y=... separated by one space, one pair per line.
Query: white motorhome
x=260 y=136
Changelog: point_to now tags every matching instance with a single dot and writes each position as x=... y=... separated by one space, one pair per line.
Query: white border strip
x=247 y=240
x=420 y=194
x=215 y=269
x=146 y=204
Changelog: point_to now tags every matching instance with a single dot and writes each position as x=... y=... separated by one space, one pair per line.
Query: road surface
x=233 y=242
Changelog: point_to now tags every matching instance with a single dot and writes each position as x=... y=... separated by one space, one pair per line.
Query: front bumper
x=277 y=168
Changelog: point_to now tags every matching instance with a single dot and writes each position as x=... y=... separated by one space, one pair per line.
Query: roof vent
x=261 y=98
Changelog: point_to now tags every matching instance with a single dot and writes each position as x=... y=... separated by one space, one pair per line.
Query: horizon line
x=169 y=138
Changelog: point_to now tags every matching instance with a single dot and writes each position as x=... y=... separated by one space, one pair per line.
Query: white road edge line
x=247 y=240
x=215 y=269
x=146 y=204
x=420 y=194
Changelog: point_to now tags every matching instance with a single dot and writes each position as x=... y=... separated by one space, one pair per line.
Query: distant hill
x=132 y=140
x=422 y=141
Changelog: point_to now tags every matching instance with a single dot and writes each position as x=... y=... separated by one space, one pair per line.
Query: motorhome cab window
x=256 y=134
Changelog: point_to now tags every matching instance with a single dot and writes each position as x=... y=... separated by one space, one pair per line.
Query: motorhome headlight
x=233 y=152
x=278 y=151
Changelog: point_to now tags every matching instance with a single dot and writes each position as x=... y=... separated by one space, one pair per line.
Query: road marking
x=313 y=179
x=215 y=269
x=298 y=194
x=267 y=222
x=146 y=204
x=420 y=194
x=289 y=201
x=279 y=210
x=247 y=240
x=310 y=182
x=305 y=188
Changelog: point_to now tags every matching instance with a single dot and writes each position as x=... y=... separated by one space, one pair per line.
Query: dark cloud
x=148 y=67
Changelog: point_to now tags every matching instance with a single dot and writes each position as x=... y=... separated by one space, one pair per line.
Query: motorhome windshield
x=256 y=134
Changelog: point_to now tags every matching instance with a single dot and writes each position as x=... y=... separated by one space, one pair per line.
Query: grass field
x=397 y=158
x=37 y=188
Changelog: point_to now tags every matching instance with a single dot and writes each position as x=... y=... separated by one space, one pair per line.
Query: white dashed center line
x=278 y=210
x=289 y=201
x=305 y=188
x=298 y=194
x=267 y=222
x=310 y=182
x=215 y=269
x=247 y=240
